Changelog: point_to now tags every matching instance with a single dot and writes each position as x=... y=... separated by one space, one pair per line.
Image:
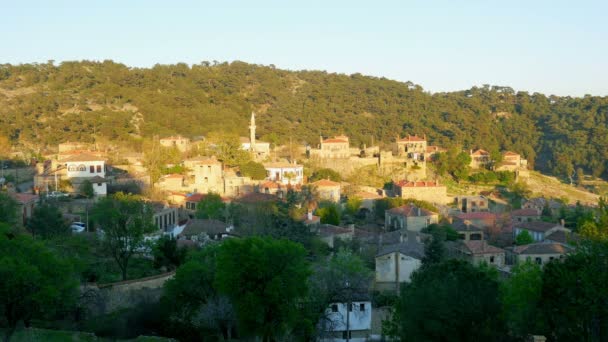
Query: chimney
x=309 y=215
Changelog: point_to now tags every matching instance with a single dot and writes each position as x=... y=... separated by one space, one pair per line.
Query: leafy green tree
x=210 y=207
x=523 y=238
x=47 y=221
x=443 y=231
x=123 y=220
x=341 y=280
x=329 y=214
x=8 y=209
x=325 y=174
x=190 y=292
x=36 y=284
x=434 y=248
x=352 y=205
x=228 y=150
x=86 y=189
x=265 y=279
x=574 y=295
x=254 y=170
x=448 y=301
x=167 y=254
x=520 y=297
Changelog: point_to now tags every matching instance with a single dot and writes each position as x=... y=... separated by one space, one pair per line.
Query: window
x=92 y=169
x=334 y=308
x=492 y=259
x=98 y=168
x=346 y=334
x=538 y=261
x=98 y=184
x=350 y=307
x=362 y=307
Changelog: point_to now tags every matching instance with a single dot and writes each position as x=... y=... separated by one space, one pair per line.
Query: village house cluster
x=485 y=230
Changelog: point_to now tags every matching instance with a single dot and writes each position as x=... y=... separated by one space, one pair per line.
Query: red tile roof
x=367 y=195
x=481 y=247
x=23 y=198
x=411 y=138
x=510 y=154
x=174 y=175
x=476 y=216
x=525 y=212
x=411 y=210
x=542 y=248
x=481 y=152
x=335 y=141
x=407 y=184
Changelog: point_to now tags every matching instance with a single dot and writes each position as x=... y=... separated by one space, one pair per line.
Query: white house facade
x=344 y=320
x=285 y=173
x=85 y=166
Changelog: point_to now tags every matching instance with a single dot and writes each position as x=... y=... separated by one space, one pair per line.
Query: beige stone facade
x=409 y=217
x=430 y=191
x=179 y=142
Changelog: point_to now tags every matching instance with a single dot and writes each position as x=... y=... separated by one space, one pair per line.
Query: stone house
x=26 y=204
x=525 y=215
x=477 y=252
x=540 y=231
x=539 y=203
x=205 y=174
x=540 y=253
x=466 y=231
x=328 y=190
x=479 y=219
x=480 y=159
x=472 y=204
x=395 y=264
x=86 y=166
x=511 y=161
x=332 y=148
x=409 y=217
x=171 y=182
x=430 y=191
x=285 y=173
x=358 y=314
x=433 y=150
x=165 y=217
x=179 y=142
x=202 y=230
x=412 y=146
x=368 y=199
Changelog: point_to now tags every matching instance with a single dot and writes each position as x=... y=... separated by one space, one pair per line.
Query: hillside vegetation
x=43 y=104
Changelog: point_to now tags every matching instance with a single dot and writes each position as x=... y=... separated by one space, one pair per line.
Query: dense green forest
x=43 y=104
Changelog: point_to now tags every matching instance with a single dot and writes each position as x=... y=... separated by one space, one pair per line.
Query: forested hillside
x=43 y=104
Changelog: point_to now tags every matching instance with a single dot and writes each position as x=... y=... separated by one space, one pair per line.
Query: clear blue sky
x=554 y=47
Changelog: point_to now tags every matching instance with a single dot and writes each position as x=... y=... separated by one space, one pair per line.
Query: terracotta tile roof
x=256 y=197
x=542 y=248
x=23 y=198
x=431 y=149
x=480 y=152
x=537 y=226
x=329 y=230
x=197 y=197
x=407 y=184
x=481 y=247
x=335 y=141
x=203 y=160
x=525 y=212
x=465 y=226
x=82 y=157
x=410 y=210
x=510 y=154
x=476 y=216
x=411 y=138
x=562 y=236
x=326 y=183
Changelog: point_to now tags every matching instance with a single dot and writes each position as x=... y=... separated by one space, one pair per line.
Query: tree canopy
x=104 y=101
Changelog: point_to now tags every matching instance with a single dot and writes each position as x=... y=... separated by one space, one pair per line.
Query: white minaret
x=252 y=132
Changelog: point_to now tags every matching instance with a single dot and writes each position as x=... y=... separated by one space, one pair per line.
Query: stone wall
x=99 y=299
